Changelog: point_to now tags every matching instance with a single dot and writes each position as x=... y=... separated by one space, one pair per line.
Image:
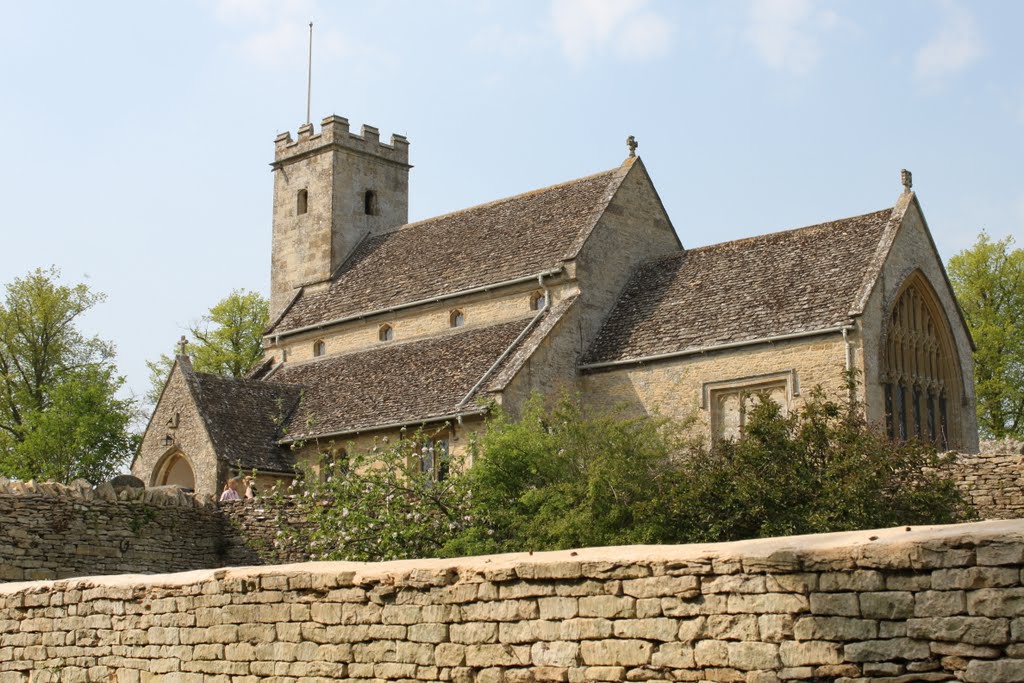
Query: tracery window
x=920 y=371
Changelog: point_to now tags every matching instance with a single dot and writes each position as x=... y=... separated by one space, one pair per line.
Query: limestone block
x=555 y=654
x=558 y=608
x=608 y=606
x=711 y=653
x=975 y=577
x=1007 y=602
x=1001 y=671
x=648 y=629
x=887 y=605
x=940 y=603
x=972 y=630
x=839 y=604
x=810 y=652
x=673 y=655
x=731 y=627
x=662 y=586
x=886 y=650
x=834 y=628
x=474 y=632
x=616 y=652
x=748 y=656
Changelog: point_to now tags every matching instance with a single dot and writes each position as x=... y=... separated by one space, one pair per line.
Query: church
x=379 y=325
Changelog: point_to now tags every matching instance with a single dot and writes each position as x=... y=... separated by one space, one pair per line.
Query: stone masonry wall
x=898 y=605
x=51 y=531
x=993 y=480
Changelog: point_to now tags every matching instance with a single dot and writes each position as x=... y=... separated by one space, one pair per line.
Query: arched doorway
x=175 y=470
x=920 y=368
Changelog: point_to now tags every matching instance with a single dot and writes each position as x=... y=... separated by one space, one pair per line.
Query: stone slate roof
x=782 y=283
x=484 y=245
x=396 y=383
x=244 y=419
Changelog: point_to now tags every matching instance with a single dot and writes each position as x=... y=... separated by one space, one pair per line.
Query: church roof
x=397 y=383
x=781 y=283
x=484 y=245
x=244 y=418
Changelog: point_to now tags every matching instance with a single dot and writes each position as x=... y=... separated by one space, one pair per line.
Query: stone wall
x=898 y=605
x=993 y=480
x=51 y=531
x=258 y=532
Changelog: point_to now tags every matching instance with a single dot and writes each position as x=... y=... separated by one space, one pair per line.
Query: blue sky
x=138 y=134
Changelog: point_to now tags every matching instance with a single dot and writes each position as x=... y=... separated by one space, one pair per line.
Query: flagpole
x=309 y=75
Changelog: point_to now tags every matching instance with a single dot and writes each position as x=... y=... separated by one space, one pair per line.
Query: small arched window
x=386 y=333
x=538 y=300
x=319 y=348
x=302 y=202
x=456 y=318
x=370 y=203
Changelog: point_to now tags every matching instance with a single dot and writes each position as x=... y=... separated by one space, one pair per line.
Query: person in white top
x=230 y=491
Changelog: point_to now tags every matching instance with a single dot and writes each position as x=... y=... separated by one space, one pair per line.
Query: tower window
x=302 y=202
x=319 y=348
x=370 y=203
x=456 y=318
x=538 y=300
x=386 y=333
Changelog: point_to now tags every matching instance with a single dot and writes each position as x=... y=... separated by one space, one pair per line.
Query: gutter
x=719 y=347
x=393 y=425
x=412 y=304
x=522 y=335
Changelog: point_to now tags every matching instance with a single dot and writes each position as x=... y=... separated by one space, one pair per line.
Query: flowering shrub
x=394 y=501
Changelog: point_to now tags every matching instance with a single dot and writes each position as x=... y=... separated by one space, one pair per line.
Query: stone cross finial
x=632 y=144
x=182 y=343
x=907 y=179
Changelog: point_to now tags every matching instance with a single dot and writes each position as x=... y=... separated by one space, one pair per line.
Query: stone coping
x=895 y=548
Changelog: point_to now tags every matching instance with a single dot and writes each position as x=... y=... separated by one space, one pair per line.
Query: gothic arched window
x=385 y=333
x=920 y=368
x=456 y=318
x=302 y=202
x=319 y=348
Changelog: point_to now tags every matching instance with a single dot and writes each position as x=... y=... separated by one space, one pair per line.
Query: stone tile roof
x=396 y=383
x=244 y=419
x=782 y=283
x=510 y=238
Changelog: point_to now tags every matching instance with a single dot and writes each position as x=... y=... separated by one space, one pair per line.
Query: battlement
x=334 y=132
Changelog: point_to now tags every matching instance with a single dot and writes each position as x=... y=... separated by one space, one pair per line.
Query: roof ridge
x=815 y=226
x=494 y=202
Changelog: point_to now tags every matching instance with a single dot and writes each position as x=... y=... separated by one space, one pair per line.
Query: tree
x=227 y=341
x=989 y=283
x=60 y=417
x=563 y=478
x=820 y=469
x=391 y=502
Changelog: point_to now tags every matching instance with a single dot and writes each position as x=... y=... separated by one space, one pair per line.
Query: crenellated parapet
x=335 y=132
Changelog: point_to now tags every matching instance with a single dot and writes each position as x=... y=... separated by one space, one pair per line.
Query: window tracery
x=920 y=372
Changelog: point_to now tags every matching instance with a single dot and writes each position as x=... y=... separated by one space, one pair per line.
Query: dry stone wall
x=993 y=480
x=52 y=531
x=898 y=605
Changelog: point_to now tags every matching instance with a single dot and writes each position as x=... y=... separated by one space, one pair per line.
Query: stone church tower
x=331 y=190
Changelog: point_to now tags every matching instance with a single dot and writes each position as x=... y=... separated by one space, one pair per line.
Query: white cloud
x=955 y=47
x=587 y=27
x=787 y=34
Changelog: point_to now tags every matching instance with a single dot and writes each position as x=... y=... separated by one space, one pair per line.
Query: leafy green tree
x=817 y=470
x=60 y=417
x=563 y=478
x=989 y=282
x=392 y=502
x=227 y=341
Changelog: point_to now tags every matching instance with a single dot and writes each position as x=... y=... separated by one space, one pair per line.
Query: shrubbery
x=562 y=477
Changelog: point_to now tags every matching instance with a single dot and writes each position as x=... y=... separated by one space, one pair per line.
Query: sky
x=138 y=135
